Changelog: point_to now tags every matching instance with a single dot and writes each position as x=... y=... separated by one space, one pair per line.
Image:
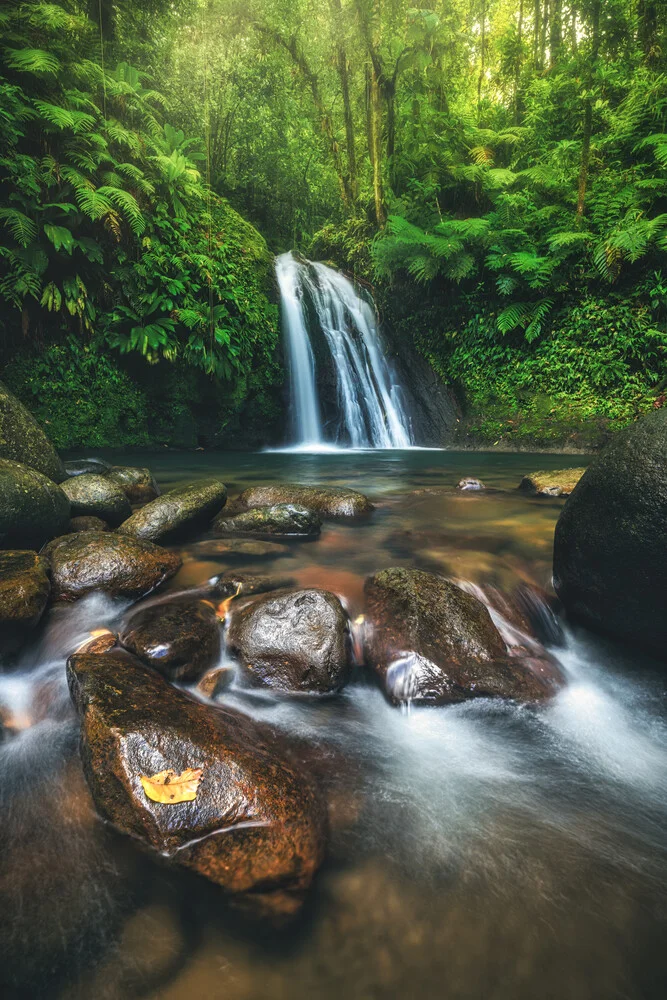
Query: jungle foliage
x=496 y=168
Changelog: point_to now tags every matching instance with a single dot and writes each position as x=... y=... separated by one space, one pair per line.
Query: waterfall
x=370 y=410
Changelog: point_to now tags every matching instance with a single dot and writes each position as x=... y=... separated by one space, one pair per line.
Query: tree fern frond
x=22 y=228
x=32 y=61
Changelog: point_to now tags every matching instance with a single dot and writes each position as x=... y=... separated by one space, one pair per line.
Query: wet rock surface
x=431 y=642
x=551 y=484
x=118 y=565
x=180 y=639
x=256 y=826
x=230 y=583
x=297 y=641
x=470 y=485
x=327 y=501
x=87 y=524
x=83 y=466
x=186 y=506
x=92 y=495
x=282 y=519
x=236 y=549
x=138 y=484
x=24 y=588
x=32 y=507
x=23 y=440
x=610 y=546
x=215 y=682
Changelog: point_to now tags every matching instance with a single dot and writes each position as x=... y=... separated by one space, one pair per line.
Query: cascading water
x=371 y=407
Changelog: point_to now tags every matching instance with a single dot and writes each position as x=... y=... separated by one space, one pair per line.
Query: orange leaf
x=169 y=787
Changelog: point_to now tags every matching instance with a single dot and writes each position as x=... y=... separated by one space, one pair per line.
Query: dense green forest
x=495 y=169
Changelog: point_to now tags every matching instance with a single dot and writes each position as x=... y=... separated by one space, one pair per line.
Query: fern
x=22 y=228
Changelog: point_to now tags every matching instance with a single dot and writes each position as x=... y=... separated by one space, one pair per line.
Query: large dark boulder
x=138 y=484
x=32 y=508
x=91 y=495
x=327 y=501
x=285 y=520
x=297 y=641
x=23 y=440
x=179 y=638
x=100 y=560
x=186 y=506
x=256 y=826
x=24 y=588
x=431 y=642
x=610 y=549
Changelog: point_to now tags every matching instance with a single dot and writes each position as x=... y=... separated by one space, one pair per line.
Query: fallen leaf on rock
x=169 y=787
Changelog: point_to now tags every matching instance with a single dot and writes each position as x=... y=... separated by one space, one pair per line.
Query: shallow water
x=477 y=851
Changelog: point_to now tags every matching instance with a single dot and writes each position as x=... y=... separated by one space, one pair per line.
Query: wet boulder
x=23 y=440
x=24 y=588
x=84 y=466
x=138 y=484
x=184 y=507
x=468 y=485
x=610 y=546
x=327 y=501
x=297 y=641
x=32 y=507
x=256 y=824
x=91 y=495
x=215 y=682
x=431 y=642
x=87 y=524
x=235 y=549
x=179 y=638
x=118 y=565
x=231 y=583
x=286 y=520
x=559 y=483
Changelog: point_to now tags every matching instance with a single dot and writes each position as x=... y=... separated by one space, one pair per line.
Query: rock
x=185 y=506
x=23 y=440
x=179 y=638
x=84 y=466
x=551 y=484
x=256 y=826
x=328 y=501
x=297 y=641
x=137 y=484
x=97 y=496
x=215 y=681
x=470 y=484
x=281 y=519
x=430 y=642
x=32 y=508
x=610 y=548
x=236 y=549
x=230 y=583
x=24 y=588
x=118 y=565
x=87 y=524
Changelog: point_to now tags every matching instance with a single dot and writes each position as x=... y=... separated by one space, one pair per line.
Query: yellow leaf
x=169 y=787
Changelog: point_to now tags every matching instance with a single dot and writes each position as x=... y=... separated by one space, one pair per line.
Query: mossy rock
x=559 y=483
x=23 y=440
x=33 y=508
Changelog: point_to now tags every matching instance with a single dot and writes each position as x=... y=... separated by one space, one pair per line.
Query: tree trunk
x=543 y=34
x=517 y=69
x=588 y=112
x=375 y=103
x=537 y=19
x=482 y=55
x=555 y=32
x=343 y=74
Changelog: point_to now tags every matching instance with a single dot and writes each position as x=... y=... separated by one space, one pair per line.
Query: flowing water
x=477 y=851
x=371 y=411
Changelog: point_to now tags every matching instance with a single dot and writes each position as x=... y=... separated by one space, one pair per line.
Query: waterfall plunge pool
x=477 y=851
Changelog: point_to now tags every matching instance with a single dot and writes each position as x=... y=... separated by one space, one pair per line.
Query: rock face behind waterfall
x=256 y=826
x=610 y=550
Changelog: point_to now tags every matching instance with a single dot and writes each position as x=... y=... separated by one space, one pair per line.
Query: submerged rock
x=185 y=506
x=24 y=588
x=87 y=524
x=551 y=484
x=470 y=484
x=610 y=547
x=230 y=583
x=32 y=507
x=97 y=496
x=180 y=638
x=256 y=826
x=117 y=565
x=281 y=519
x=431 y=642
x=297 y=641
x=84 y=466
x=138 y=484
x=215 y=681
x=328 y=501
x=236 y=549
x=23 y=440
